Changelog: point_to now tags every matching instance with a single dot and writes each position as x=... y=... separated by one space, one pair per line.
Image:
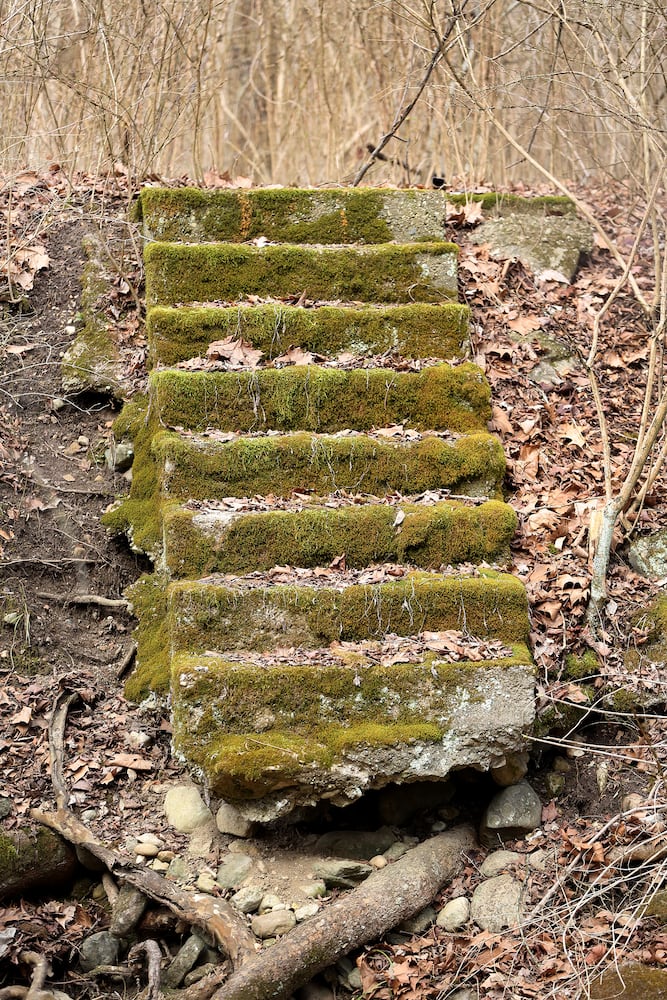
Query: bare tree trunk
x=389 y=896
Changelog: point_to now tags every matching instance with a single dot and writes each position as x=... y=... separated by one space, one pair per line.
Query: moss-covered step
x=201 y=468
x=272 y=737
x=322 y=215
x=293 y=215
x=211 y=540
x=420 y=330
x=387 y=273
x=312 y=398
x=247 y=613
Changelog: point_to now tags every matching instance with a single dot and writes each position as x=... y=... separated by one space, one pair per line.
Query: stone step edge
x=322 y=400
x=385 y=273
x=419 y=330
x=250 y=733
x=196 y=543
x=200 y=468
x=320 y=215
x=194 y=616
x=170 y=467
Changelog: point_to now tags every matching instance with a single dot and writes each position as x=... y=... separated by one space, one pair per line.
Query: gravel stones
x=455 y=914
x=229 y=820
x=185 y=809
x=510 y=815
x=358 y=844
x=234 y=870
x=342 y=874
x=273 y=924
x=99 y=949
x=496 y=903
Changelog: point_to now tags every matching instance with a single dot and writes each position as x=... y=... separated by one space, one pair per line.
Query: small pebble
x=379 y=861
x=151 y=838
x=305 y=911
x=57 y=403
x=315 y=890
x=146 y=850
x=206 y=882
x=166 y=855
x=159 y=866
x=270 y=902
x=83 y=440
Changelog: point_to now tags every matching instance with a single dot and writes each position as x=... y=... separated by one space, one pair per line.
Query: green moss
x=443 y=534
x=307 y=397
x=140 y=513
x=91 y=361
x=423 y=272
x=578 y=667
x=207 y=470
x=630 y=982
x=151 y=673
x=225 y=618
x=499 y=204
x=413 y=331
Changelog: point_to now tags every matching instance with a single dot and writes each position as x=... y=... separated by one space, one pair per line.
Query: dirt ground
x=64 y=624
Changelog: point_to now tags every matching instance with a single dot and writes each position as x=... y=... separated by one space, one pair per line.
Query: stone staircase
x=328 y=611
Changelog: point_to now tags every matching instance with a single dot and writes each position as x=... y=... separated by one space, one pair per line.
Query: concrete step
x=419 y=330
x=293 y=215
x=205 y=468
x=213 y=272
x=274 y=736
x=309 y=397
x=320 y=215
x=220 y=539
x=237 y=614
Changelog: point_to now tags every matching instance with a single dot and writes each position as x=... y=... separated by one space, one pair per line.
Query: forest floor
x=54 y=486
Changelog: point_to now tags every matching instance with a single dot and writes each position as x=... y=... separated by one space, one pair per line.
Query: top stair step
x=291 y=215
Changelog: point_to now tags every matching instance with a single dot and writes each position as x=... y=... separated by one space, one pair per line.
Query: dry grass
x=289 y=91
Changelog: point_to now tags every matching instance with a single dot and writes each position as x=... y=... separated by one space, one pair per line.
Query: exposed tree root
x=387 y=897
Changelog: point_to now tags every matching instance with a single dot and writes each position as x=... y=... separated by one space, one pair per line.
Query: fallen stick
x=102 y=602
x=215 y=917
x=387 y=897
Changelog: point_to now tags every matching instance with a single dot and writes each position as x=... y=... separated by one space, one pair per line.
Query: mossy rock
x=388 y=273
x=630 y=982
x=544 y=244
x=197 y=543
x=91 y=362
x=204 y=469
x=651 y=656
x=33 y=858
x=274 y=737
x=255 y=616
x=420 y=330
x=496 y=203
x=289 y=215
x=308 y=397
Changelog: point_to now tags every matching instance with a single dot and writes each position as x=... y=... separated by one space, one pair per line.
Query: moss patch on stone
x=199 y=468
x=139 y=514
x=446 y=533
x=91 y=362
x=308 y=397
x=414 y=331
x=150 y=606
x=205 y=616
x=495 y=203
x=422 y=272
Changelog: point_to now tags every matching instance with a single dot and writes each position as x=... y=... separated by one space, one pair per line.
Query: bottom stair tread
x=270 y=736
